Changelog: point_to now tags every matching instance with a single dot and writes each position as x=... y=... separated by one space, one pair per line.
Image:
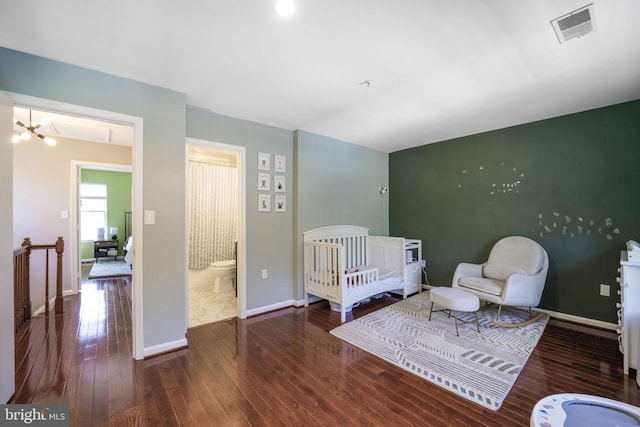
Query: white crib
x=336 y=267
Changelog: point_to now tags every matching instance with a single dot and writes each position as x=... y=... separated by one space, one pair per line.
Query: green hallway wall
x=569 y=182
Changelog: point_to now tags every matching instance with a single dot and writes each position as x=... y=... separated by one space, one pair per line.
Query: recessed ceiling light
x=285 y=8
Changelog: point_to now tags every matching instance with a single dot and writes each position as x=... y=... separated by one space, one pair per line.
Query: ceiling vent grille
x=575 y=24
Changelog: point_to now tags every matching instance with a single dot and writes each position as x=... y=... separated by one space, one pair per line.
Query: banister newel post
x=59 y=301
x=26 y=243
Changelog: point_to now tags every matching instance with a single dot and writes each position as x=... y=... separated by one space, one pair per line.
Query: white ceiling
x=439 y=69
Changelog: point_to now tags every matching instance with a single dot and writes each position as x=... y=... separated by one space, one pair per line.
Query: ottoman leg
x=430 y=310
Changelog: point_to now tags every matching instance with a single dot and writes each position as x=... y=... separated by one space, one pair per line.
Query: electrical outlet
x=605 y=290
x=264 y=273
x=423 y=263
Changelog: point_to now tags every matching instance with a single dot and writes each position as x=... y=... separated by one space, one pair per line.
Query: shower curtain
x=213 y=212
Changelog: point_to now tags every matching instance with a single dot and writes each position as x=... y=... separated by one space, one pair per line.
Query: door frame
x=76 y=171
x=241 y=257
x=136 y=122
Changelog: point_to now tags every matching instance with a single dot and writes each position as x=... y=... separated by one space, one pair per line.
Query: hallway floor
x=279 y=368
x=204 y=305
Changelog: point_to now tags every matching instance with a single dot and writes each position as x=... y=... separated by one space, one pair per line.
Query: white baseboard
x=40 y=310
x=585 y=321
x=581 y=320
x=568 y=317
x=164 y=347
x=312 y=299
x=283 y=304
x=52 y=303
x=271 y=307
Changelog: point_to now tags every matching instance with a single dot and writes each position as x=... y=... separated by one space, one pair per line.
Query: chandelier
x=32 y=128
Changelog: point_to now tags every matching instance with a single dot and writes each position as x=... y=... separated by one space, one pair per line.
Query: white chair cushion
x=482 y=284
x=511 y=255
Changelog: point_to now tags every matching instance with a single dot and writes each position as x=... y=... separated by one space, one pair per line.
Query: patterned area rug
x=481 y=367
x=104 y=269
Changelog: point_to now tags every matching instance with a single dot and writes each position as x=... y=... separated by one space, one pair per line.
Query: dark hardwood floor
x=280 y=368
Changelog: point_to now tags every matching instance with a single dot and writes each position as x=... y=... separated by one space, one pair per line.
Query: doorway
x=216 y=224
x=135 y=124
x=103 y=208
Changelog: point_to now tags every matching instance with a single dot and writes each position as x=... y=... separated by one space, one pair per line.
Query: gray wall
x=268 y=234
x=569 y=182
x=328 y=182
x=37 y=213
x=337 y=183
x=7 y=362
x=163 y=112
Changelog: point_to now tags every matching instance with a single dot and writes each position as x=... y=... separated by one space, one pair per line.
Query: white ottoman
x=454 y=299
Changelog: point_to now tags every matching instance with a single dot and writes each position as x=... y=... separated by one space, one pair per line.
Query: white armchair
x=514 y=275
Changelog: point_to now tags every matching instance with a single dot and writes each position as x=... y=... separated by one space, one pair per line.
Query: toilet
x=576 y=410
x=224 y=276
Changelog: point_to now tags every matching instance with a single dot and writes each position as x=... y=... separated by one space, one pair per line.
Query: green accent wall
x=569 y=182
x=118 y=202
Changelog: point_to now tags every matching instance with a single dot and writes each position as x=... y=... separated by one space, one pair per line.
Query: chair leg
x=455 y=316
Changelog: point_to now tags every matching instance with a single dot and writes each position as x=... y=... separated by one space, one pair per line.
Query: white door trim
x=241 y=262
x=76 y=166
x=137 y=344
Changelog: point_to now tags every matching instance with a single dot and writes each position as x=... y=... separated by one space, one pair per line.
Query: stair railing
x=22 y=280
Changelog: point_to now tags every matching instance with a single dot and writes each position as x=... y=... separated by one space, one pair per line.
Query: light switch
x=149 y=217
x=64 y=214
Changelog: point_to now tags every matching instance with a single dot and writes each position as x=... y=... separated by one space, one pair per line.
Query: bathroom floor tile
x=205 y=306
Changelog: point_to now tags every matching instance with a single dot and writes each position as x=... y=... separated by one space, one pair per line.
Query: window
x=93 y=211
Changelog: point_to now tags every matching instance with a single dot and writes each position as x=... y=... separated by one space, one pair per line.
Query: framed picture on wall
x=264 y=161
x=264 y=202
x=280 y=203
x=264 y=181
x=280 y=163
x=279 y=184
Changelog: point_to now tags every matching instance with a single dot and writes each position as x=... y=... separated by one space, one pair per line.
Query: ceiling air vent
x=575 y=24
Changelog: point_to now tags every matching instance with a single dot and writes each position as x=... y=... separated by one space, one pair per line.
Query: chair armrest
x=524 y=290
x=465 y=269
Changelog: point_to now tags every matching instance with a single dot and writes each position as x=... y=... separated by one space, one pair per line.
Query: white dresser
x=629 y=311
